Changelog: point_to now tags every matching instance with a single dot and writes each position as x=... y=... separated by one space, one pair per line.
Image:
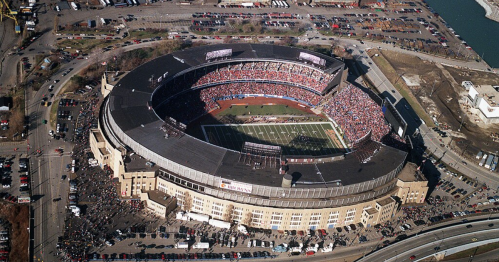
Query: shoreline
x=489 y=12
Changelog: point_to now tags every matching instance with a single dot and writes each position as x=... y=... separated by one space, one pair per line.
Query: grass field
x=314 y=139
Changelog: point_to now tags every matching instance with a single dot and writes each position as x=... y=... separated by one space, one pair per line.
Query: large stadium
x=335 y=157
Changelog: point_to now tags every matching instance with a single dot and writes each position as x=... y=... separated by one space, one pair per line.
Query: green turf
x=254 y=110
x=294 y=139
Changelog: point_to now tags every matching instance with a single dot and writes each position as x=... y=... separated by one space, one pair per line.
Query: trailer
x=484 y=158
x=182 y=245
x=202 y=245
x=488 y=163
x=198 y=217
x=219 y=223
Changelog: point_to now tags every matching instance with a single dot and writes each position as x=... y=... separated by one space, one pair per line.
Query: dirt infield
x=224 y=104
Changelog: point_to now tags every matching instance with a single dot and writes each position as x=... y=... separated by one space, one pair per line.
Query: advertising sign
x=235 y=186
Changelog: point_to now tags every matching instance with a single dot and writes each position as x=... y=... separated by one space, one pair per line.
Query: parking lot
x=15 y=178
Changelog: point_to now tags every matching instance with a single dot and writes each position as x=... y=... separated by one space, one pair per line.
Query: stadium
x=334 y=157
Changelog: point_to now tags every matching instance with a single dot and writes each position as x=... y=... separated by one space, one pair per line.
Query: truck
x=182 y=245
x=488 y=163
x=479 y=155
x=103 y=21
x=74 y=6
x=30 y=23
x=484 y=158
x=494 y=163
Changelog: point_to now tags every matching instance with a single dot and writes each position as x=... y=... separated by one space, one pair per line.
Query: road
x=424 y=244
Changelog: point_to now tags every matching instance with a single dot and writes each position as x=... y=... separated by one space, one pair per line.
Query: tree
x=187 y=202
x=228 y=215
x=56 y=24
x=248 y=28
x=247 y=218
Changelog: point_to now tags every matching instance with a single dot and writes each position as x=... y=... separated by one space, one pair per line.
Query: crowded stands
x=187 y=106
x=196 y=93
x=288 y=73
x=357 y=114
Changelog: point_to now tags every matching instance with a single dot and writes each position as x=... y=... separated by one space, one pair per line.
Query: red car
x=412 y=257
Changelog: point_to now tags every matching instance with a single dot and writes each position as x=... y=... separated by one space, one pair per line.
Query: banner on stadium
x=219 y=53
x=235 y=186
x=312 y=58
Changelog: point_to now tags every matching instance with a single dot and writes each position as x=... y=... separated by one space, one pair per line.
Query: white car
x=402 y=228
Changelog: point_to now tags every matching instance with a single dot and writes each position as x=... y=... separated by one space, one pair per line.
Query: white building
x=484 y=102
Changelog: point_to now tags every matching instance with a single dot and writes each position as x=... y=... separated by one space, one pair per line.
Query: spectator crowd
x=187 y=106
x=357 y=114
x=287 y=73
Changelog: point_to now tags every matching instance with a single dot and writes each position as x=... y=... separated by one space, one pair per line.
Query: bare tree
x=247 y=218
x=187 y=202
x=228 y=215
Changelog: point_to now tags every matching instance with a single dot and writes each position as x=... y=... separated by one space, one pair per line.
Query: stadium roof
x=128 y=105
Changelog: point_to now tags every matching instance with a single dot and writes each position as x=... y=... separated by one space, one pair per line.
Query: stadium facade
x=155 y=161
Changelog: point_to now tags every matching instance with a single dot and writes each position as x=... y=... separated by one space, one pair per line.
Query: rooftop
x=490 y=93
x=136 y=163
x=411 y=173
x=386 y=201
x=371 y=211
x=98 y=135
x=159 y=197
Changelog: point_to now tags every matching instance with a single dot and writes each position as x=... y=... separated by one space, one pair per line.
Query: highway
x=425 y=244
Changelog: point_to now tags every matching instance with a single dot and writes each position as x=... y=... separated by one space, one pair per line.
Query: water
x=468 y=19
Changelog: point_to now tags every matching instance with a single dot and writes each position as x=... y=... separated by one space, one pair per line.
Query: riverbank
x=491 y=10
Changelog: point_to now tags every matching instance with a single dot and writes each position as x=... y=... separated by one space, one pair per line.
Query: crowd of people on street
x=357 y=114
x=95 y=187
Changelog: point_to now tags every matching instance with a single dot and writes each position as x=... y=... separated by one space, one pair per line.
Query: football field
x=314 y=139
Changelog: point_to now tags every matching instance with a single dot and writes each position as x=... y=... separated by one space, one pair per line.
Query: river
x=468 y=19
